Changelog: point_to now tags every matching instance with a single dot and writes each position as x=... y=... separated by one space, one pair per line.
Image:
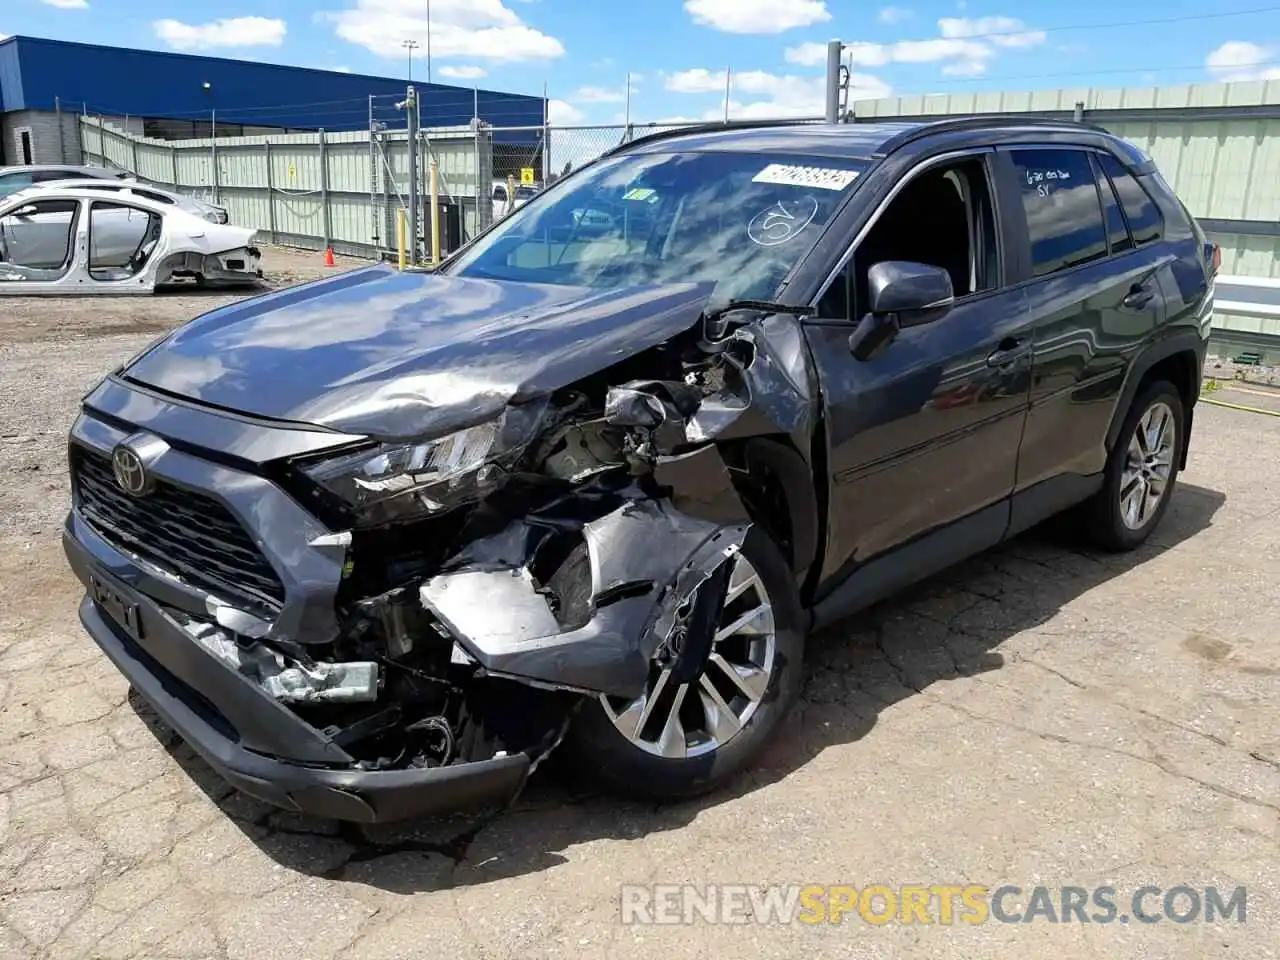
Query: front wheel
x=1141 y=470
x=716 y=688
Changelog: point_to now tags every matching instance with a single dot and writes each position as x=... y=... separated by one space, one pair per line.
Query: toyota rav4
x=375 y=545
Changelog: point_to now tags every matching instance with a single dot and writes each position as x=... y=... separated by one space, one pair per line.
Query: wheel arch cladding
x=1177 y=360
x=776 y=485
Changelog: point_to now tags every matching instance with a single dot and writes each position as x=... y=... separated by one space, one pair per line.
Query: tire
x=1114 y=518
x=596 y=741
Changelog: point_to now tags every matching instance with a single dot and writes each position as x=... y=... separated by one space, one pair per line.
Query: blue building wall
x=35 y=73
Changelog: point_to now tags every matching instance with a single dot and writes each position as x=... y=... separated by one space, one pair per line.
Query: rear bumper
x=246 y=736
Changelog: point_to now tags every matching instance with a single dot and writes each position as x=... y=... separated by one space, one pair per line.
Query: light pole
x=410 y=45
x=428 y=41
x=207 y=87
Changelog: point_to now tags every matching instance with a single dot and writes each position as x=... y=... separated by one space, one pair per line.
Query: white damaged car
x=76 y=241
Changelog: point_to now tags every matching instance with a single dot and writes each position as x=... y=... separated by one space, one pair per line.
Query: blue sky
x=677 y=51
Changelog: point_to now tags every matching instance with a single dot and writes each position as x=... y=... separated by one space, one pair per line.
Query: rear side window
x=1117 y=231
x=1143 y=215
x=1060 y=200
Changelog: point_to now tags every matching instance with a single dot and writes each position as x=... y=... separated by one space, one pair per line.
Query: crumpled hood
x=397 y=355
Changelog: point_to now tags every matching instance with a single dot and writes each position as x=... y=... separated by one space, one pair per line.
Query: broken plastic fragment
x=327 y=682
x=338 y=682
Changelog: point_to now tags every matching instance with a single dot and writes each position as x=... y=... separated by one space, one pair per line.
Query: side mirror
x=901 y=294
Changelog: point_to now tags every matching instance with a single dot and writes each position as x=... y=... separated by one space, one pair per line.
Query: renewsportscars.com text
x=944 y=904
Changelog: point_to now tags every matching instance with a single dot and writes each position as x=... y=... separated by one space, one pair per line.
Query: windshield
x=738 y=220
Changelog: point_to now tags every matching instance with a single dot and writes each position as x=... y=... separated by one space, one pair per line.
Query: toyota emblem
x=131 y=474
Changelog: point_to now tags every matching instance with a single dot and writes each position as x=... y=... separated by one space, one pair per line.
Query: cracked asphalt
x=1038 y=715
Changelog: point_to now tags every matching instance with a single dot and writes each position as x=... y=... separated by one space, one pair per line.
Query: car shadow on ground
x=949 y=626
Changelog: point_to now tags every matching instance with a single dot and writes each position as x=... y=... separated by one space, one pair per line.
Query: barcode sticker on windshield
x=793 y=175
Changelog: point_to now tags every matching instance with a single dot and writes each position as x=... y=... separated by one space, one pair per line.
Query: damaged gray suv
x=375 y=545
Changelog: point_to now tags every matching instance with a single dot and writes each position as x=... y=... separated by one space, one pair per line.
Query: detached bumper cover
x=255 y=743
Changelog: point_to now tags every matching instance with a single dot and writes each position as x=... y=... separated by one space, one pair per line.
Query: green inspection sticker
x=641 y=193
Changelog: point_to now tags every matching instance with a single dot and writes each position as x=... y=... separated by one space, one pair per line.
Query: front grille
x=189 y=533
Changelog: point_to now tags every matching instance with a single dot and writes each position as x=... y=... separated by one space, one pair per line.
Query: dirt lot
x=1038 y=716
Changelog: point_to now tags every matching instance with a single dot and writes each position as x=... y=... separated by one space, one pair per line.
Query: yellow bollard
x=401 y=231
x=435 y=213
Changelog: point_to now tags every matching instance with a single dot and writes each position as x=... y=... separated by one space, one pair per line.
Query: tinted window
x=1117 y=231
x=13 y=182
x=499 y=192
x=1143 y=215
x=1060 y=200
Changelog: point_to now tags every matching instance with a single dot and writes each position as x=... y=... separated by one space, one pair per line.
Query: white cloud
x=233 y=32
x=892 y=15
x=558 y=111
x=1242 y=60
x=476 y=29
x=1001 y=31
x=462 y=72
x=774 y=95
x=600 y=95
x=965 y=68
x=959 y=46
x=67 y=4
x=340 y=69
x=698 y=80
x=757 y=16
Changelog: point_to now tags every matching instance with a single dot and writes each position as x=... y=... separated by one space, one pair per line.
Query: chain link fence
x=349 y=190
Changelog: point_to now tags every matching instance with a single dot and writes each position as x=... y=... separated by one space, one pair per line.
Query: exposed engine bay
x=552 y=555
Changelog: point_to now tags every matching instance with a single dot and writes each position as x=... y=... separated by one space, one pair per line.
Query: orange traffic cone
x=328 y=257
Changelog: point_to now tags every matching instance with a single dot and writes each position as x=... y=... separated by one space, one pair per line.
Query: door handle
x=1138 y=297
x=1010 y=350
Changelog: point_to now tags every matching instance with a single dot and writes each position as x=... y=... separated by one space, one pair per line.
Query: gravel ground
x=53 y=350
x=1036 y=716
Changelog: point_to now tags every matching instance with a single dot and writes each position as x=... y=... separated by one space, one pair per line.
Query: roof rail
x=709 y=127
x=975 y=122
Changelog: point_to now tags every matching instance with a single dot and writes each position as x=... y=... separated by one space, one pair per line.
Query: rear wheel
x=1141 y=470
x=716 y=687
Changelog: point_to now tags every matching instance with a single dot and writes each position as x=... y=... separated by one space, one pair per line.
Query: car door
x=1093 y=297
x=116 y=231
x=923 y=438
x=36 y=239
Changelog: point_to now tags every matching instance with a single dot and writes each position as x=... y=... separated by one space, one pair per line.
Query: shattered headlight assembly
x=395 y=481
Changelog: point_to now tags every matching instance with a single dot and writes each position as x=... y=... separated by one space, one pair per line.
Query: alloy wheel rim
x=676 y=720
x=1148 y=466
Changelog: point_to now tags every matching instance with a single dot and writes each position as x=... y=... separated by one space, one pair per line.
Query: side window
x=1140 y=210
x=35 y=240
x=500 y=193
x=955 y=201
x=13 y=182
x=1117 y=232
x=121 y=238
x=1060 y=200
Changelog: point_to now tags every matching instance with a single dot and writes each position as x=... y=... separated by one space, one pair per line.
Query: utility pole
x=728 y=90
x=627 y=115
x=834 y=49
x=411 y=123
x=410 y=45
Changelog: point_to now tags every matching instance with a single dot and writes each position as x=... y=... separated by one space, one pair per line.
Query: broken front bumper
x=256 y=744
